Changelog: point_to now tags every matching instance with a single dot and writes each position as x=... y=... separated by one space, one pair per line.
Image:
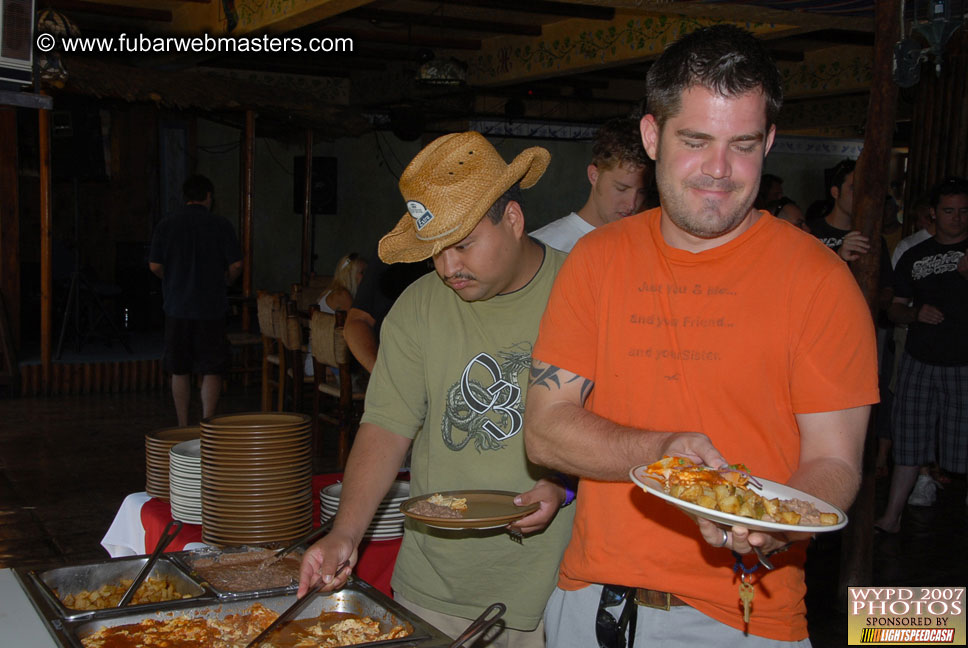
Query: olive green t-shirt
x=452 y=376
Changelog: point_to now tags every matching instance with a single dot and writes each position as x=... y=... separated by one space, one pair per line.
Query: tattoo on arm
x=586 y=387
x=547 y=375
x=544 y=376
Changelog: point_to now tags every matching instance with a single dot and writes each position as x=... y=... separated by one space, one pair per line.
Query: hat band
x=437 y=236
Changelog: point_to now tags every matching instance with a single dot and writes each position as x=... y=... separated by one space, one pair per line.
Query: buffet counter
x=20 y=624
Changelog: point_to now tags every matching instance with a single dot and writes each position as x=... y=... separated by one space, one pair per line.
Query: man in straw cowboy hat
x=449 y=381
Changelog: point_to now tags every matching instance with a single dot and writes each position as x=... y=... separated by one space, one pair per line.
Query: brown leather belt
x=656 y=599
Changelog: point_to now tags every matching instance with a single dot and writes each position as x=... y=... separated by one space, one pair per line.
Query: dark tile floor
x=67 y=462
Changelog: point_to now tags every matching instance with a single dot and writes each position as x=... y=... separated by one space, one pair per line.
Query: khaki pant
x=497 y=637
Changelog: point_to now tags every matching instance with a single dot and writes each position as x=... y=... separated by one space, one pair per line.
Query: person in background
x=705 y=329
x=834 y=228
x=925 y=230
x=381 y=286
x=339 y=295
x=449 y=381
x=620 y=175
x=771 y=190
x=930 y=416
x=786 y=209
x=196 y=254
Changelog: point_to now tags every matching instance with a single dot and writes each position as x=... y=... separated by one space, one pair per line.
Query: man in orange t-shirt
x=707 y=329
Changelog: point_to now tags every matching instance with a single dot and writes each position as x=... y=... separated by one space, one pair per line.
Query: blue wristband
x=570 y=484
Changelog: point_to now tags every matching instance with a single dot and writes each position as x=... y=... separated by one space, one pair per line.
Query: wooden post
x=307 y=262
x=307 y=210
x=10 y=224
x=248 y=155
x=939 y=143
x=870 y=188
x=46 y=225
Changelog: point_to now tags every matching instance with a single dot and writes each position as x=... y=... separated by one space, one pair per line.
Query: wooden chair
x=271 y=320
x=243 y=343
x=329 y=350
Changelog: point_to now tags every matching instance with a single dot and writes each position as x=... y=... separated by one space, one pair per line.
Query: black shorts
x=198 y=346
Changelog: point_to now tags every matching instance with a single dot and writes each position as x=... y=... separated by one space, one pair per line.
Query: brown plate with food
x=485 y=509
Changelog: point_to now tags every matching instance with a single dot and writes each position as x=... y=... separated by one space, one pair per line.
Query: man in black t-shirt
x=930 y=414
x=197 y=255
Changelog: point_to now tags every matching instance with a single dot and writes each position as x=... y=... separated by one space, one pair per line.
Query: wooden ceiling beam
x=401 y=38
x=543 y=7
x=737 y=12
x=281 y=66
x=119 y=11
x=259 y=17
x=446 y=22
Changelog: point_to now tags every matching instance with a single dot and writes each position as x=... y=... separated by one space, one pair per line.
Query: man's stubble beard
x=672 y=200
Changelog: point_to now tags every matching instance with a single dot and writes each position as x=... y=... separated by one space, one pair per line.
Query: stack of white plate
x=185 y=481
x=387 y=522
x=256 y=478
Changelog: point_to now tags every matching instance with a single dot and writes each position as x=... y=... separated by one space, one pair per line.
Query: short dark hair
x=496 y=211
x=723 y=59
x=197 y=188
x=839 y=172
x=950 y=186
x=619 y=141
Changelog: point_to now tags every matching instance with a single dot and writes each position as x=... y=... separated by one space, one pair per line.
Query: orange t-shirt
x=731 y=342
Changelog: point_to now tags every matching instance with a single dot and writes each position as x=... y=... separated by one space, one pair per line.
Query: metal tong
x=481 y=624
x=293 y=609
x=315 y=534
x=171 y=530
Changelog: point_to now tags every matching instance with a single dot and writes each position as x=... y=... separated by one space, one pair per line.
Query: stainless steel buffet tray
x=187 y=560
x=59 y=582
x=357 y=597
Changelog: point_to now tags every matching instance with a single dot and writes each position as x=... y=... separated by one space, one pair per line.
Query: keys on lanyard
x=746 y=595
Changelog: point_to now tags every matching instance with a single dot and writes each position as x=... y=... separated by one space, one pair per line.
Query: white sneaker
x=924 y=492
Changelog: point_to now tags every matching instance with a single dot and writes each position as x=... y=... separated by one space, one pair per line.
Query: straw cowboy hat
x=449 y=187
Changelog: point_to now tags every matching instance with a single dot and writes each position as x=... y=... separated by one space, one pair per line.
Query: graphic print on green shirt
x=486 y=404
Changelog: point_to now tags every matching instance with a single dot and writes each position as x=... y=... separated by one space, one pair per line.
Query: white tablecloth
x=126 y=536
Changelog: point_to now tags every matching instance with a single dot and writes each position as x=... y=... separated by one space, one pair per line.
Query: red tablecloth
x=376 y=557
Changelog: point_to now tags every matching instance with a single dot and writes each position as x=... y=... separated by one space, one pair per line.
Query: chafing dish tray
x=196 y=563
x=55 y=584
x=356 y=597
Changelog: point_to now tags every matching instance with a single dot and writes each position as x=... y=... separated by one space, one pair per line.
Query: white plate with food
x=806 y=505
x=469 y=509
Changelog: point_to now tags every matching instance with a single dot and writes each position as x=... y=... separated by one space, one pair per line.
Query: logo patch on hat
x=420 y=214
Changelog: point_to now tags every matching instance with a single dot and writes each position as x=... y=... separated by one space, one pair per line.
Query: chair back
x=267 y=306
x=290 y=326
x=326 y=340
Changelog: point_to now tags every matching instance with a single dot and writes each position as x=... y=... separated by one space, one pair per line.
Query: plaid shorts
x=930 y=416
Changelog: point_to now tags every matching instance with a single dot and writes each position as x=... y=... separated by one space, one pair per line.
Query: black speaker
x=76 y=142
x=323 y=188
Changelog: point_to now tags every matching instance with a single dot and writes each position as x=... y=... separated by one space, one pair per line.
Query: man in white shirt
x=620 y=174
x=925 y=230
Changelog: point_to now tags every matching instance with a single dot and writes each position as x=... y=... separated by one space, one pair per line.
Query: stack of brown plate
x=256 y=478
x=157 y=445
